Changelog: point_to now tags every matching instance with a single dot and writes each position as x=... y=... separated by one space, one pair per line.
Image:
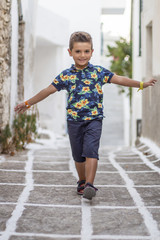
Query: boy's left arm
x=125 y=81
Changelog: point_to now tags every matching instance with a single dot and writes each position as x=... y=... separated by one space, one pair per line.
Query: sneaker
x=89 y=191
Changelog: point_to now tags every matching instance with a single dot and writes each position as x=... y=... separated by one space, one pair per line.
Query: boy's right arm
x=22 y=107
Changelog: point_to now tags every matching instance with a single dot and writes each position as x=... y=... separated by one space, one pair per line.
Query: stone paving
x=38 y=199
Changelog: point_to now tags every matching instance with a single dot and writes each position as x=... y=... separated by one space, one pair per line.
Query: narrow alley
x=38 y=198
x=38 y=186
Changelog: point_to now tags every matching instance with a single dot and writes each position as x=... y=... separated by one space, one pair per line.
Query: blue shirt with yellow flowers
x=84 y=87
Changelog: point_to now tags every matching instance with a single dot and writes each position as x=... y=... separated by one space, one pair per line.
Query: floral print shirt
x=84 y=87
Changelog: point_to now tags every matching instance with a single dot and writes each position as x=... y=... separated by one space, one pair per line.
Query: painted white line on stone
x=125 y=157
x=35 y=171
x=12 y=184
x=141 y=147
x=51 y=171
x=15 y=161
x=150 y=155
x=22 y=155
x=114 y=207
x=110 y=186
x=52 y=157
x=150 y=223
x=51 y=205
x=76 y=206
x=69 y=186
x=148 y=150
x=122 y=152
x=17 y=213
x=157 y=160
x=70 y=206
x=154 y=207
x=118 y=237
x=8 y=203
x=52 y=163
x=104 y=163
x=54 y=185
x=65 y=236
x=122 y=163
x=2 y=159
x=86 y=229
x=131 y=163
x=12 y=170
x=87 y=207
x=147 y=162
x=147 y=186
x=43 y=235
x=124 y=186
x=145 y=171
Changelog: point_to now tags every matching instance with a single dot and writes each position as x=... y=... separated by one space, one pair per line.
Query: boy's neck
x=80 y=67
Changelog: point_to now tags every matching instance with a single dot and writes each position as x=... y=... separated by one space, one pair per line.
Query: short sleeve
x=106 y=75
x=59 y=82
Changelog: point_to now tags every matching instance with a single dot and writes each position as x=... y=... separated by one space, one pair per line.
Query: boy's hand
x=20 y=108
x=149 y=83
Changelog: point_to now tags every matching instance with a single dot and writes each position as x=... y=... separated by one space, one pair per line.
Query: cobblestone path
x=38 y=199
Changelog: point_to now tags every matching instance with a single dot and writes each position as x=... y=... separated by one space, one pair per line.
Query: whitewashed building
x=115 y=23
x=17 y=37
x=37 y=41
x=146 y=62
x=54 y=27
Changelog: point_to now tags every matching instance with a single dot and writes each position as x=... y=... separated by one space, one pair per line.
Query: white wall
x=84 y=16
x=54 y=27
x=113 y=3
x=14 y=58
x=29 y=9
x=116 y=123
x=156 y=36
x=49 y=61
x=151 y=15
x=137 y=71
x=49 y=25
x=52 y=109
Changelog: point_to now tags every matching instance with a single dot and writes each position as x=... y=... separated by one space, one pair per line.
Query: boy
x=84 y=82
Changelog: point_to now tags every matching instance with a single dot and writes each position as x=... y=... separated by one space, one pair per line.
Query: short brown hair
x=80 y=37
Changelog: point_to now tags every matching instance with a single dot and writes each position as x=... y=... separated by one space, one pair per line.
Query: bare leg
x=90 y=169
x=80 y=166
x=87 y=170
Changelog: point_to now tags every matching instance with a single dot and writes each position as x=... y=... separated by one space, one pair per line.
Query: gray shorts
x=84 y=138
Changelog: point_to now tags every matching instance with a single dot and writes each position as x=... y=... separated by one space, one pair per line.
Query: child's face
x=81 y=53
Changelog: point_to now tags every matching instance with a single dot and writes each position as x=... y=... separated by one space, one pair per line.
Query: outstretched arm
x=21 y=108
x=124 y=81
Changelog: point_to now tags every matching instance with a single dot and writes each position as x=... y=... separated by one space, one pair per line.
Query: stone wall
x=5 y=61
x=151 y=69
x=151 y=113
x=21 y=61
